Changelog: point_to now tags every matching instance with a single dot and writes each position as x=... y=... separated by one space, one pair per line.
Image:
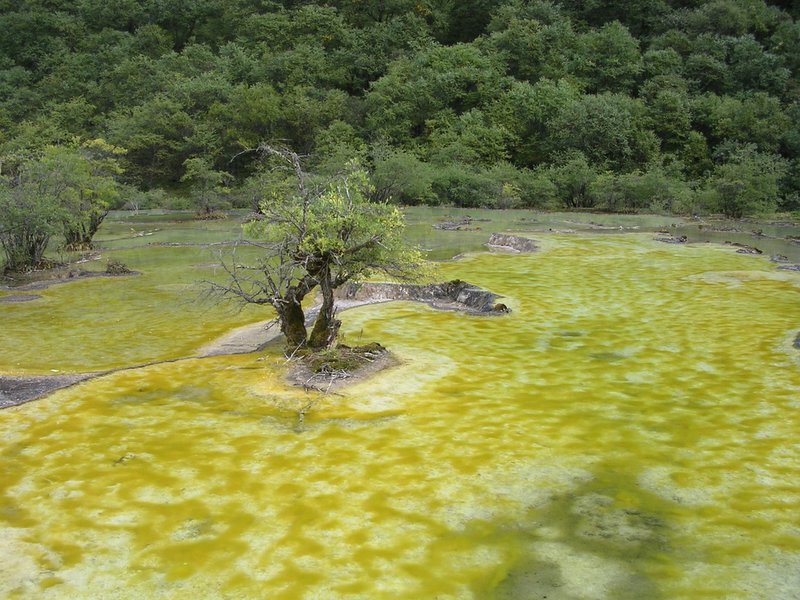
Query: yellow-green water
x=112 y=322
x=629 y=431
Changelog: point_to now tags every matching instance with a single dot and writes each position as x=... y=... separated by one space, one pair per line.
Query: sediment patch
x=19 y=298
x=16 y=390
x=69 y=277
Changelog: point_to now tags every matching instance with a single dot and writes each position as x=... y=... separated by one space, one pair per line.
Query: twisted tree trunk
x=291 y=316
x=326 y=327
x=293 y=324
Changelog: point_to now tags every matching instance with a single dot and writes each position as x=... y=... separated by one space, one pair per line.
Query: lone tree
x=316 y=234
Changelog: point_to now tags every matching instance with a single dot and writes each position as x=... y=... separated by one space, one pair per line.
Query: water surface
x=628 y=431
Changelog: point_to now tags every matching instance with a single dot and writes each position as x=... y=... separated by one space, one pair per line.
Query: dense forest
x=667 y=105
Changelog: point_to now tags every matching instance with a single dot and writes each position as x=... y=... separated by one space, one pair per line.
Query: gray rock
x=452 y=295
x=512 y=242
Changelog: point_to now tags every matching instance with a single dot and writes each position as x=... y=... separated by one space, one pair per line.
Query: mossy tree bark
x=326 y=326
x=293 y=324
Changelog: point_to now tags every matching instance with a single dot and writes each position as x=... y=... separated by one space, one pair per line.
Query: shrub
x=404 y=179
x=117 y=267
x=746 y=182
x=461 y=186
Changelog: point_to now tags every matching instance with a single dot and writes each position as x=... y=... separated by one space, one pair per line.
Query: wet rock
x=512 y=242
x=720 y=229
x=451 y=295
x=669 y=238
x=744 y=248
x=797 y=342
x=462 y=224
x=779 y=258
x=789 y=268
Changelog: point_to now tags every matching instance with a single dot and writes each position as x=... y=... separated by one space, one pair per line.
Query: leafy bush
x=746 y=181
x=403 y=178
x=462 y=186
x=573 y=179
x=652 y=190
x=134 y=199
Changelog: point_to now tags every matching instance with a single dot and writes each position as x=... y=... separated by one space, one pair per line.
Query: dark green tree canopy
x=454 y=88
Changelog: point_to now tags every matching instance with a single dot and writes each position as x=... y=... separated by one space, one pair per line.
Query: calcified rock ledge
x=514 y=243
x=452 y=295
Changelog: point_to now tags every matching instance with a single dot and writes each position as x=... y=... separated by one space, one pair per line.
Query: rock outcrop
x=451 y=295
x=668 y=237
x=512 y=242
x=743 y=248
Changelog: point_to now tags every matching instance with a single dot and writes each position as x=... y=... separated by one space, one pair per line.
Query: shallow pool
x=630 y=430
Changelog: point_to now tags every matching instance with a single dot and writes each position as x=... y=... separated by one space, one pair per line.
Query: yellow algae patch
x=739 y=278
x=629 y=431
x=112 y=322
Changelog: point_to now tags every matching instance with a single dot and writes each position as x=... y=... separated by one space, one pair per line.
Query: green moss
x=342 y=358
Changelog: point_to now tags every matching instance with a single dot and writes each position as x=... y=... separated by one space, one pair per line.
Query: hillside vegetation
x=668 y=105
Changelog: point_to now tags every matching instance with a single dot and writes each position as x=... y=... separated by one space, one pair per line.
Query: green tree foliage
x=609 y=129
x=317 y=234
x=746 y=181
x=30 y=214
x=400 y=176
x=335 y=145
x=639 y=16
x=455 y=88
x=471 y=139
x=530 y=48
x=65 y=190
x=206 y=185
x=573 y=178
x=156 y=134
x=668 y=114
x=450 y=79
x=608 y=59
x=527 y=113
x=91 y=172
x=653 y=190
